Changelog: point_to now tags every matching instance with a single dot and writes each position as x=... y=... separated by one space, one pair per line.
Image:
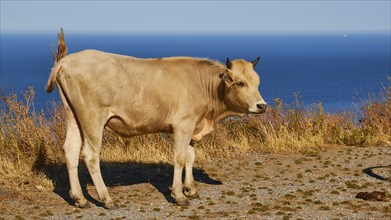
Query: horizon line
x=72 y=32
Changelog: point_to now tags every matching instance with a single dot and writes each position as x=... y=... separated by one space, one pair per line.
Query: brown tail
x=57 y=56
x=61 y=48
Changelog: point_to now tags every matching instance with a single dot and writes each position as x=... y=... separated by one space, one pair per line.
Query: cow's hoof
x=194 y=196
x=83 y=205
x=111 y=206
x=182 y=202
x=190 y=194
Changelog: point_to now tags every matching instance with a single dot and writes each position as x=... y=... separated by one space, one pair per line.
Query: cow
x=131 y=96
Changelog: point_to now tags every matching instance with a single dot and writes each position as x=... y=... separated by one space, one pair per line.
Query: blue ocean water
x=336 y=70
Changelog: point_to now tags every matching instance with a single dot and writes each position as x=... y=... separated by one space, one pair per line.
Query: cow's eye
x=240 y=84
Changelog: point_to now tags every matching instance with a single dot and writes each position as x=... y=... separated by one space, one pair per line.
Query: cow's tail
x=57 y=56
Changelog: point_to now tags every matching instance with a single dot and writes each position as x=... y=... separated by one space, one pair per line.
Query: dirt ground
x=253 y=186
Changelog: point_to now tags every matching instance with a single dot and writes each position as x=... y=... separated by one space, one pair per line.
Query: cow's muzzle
x=261 y=108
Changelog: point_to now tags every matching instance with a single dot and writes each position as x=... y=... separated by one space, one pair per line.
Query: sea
x=341 y=71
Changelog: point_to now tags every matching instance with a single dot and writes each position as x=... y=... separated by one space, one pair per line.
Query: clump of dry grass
x=25 y=134
x=30 y=140
x=376 y=119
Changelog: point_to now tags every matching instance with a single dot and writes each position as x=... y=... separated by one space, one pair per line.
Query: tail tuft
x=62 y=49
x=57 y=56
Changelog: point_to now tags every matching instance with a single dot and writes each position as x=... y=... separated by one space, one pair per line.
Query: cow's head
x=241 y=91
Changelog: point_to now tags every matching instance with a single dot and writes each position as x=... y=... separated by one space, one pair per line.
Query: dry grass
x=29 y=140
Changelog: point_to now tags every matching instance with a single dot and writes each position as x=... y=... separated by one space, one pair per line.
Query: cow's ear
x=228 y=78
x=255 y=61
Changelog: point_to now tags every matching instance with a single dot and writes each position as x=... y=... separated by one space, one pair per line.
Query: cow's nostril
x=262 y=107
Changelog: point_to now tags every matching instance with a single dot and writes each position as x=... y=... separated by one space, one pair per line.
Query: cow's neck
x=215 y=89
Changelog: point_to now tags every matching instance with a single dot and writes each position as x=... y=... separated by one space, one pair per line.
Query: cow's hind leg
x=91 y=152
x=190 y=187
x=72 y=145
x=182 y=137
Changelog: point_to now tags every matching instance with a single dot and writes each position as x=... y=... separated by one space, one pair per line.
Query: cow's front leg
x=190 y=187
x=182 y=137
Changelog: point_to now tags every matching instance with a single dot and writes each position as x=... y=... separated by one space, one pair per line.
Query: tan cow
x=131 y=96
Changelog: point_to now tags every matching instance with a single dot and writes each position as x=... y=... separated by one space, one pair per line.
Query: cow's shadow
x=370 y=172
x=120 y=174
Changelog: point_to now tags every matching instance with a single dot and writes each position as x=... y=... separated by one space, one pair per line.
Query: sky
x=195 y=16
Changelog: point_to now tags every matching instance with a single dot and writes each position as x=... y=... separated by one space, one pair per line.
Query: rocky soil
x=319 y=185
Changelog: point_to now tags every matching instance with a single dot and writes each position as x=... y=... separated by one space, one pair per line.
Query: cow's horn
x=255 y=61
x=228 y=63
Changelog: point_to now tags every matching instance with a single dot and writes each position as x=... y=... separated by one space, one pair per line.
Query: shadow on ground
x=370 y=172
x=120 y=174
